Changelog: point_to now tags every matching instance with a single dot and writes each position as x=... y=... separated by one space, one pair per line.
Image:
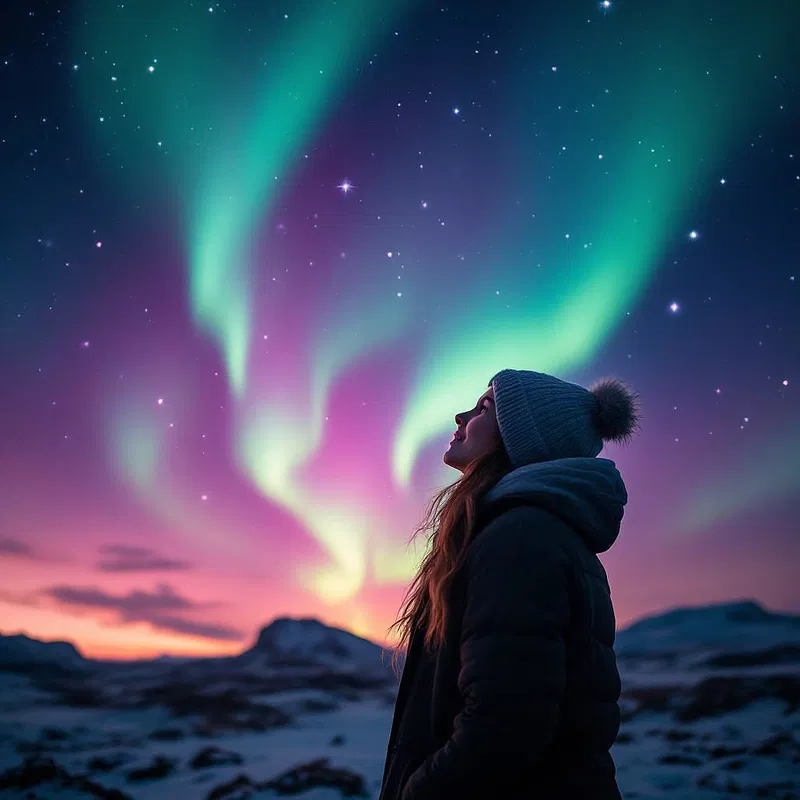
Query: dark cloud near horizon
x=158 y=608
x=129 y=558
x=14 y=547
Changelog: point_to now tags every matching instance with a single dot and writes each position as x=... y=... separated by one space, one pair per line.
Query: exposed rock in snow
x=40 y=778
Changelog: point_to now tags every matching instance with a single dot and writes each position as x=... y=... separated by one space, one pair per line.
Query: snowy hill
x=738 y=627
x=308 y=642
x=19 y=651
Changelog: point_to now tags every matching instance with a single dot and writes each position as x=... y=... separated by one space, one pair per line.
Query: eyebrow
x=490 y=399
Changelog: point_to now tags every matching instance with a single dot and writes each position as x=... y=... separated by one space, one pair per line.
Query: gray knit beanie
x=542 y=418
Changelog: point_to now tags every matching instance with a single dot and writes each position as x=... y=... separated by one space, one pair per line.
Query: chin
x=451 y=461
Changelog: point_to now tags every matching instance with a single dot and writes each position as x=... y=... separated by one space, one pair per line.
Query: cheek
x=482 y=430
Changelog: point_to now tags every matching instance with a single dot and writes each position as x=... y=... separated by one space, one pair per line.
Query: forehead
x=488 y=393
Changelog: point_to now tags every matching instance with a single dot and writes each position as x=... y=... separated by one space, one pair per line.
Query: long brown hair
x=449 y=522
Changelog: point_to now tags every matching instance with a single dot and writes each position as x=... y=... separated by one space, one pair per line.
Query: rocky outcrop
x=315 y=774
x=40 y=777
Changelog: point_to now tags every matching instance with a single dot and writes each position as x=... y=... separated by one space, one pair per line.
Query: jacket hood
x=586 y=493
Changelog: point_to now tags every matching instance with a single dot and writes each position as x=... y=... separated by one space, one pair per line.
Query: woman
x=510 y=684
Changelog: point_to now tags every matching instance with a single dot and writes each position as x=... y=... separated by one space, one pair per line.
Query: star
x=693 y=235
x=345 y=186
x=674 y=307
x=161 y=401
x=456 y=110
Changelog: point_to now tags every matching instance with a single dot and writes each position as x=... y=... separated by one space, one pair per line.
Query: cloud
x=158 y=609
x=13 y=547
x=19 y=598
x=128 y=558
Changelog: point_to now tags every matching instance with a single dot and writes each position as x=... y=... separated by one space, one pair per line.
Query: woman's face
x=478 y=433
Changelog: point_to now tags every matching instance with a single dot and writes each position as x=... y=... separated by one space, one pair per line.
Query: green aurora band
x=671 y=122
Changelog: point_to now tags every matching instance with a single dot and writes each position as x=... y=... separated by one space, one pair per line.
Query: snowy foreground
x=711 y=709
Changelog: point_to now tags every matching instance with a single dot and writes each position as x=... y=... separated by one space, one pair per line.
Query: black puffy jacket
x=520 y=701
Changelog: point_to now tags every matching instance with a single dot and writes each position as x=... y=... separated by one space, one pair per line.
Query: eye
x=484 y=408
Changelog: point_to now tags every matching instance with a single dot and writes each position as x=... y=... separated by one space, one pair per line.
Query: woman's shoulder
x=523 y=530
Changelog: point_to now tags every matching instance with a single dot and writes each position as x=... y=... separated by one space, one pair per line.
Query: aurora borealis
x=257 y=255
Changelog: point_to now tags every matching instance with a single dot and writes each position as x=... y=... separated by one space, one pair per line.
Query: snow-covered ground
x=714 y=717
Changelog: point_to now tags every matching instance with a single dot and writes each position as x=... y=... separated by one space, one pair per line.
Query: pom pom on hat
x=618 y=414
x=542 y=418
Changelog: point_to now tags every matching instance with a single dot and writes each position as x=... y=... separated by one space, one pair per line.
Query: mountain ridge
x=308 y=640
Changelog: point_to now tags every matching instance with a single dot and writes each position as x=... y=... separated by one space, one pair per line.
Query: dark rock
x=337 y=740
x=653 y=698
x=297 y=780
x=679 y=758
x=720 y=695
x=159 y=767
x=316 y=706
x=735 y=764
x=779 y=744
x=43 y=771
x=53 y=734
x=214 y=757
x=318 y=774
x=240 y=788
x=107 y=763
x=721 y=751
x=167 y=735
x=675 y=735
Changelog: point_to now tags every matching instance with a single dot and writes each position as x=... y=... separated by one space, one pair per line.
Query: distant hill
x=737 y=627
x=740 y=626
x=309 y=642
x=19 y=651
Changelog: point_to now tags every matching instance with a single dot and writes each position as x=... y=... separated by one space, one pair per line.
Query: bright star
x=456 y=111
x=346 y=186
x=693 y=235
x=674 y=307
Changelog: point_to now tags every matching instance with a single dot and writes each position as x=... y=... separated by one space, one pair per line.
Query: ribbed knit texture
x=543 y=418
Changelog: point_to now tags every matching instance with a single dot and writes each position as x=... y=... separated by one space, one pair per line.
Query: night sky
x=254 y=256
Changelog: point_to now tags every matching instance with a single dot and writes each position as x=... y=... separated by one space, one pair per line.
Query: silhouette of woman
x=510 y=686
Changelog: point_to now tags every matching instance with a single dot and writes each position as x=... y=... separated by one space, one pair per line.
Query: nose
x=460 y=419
